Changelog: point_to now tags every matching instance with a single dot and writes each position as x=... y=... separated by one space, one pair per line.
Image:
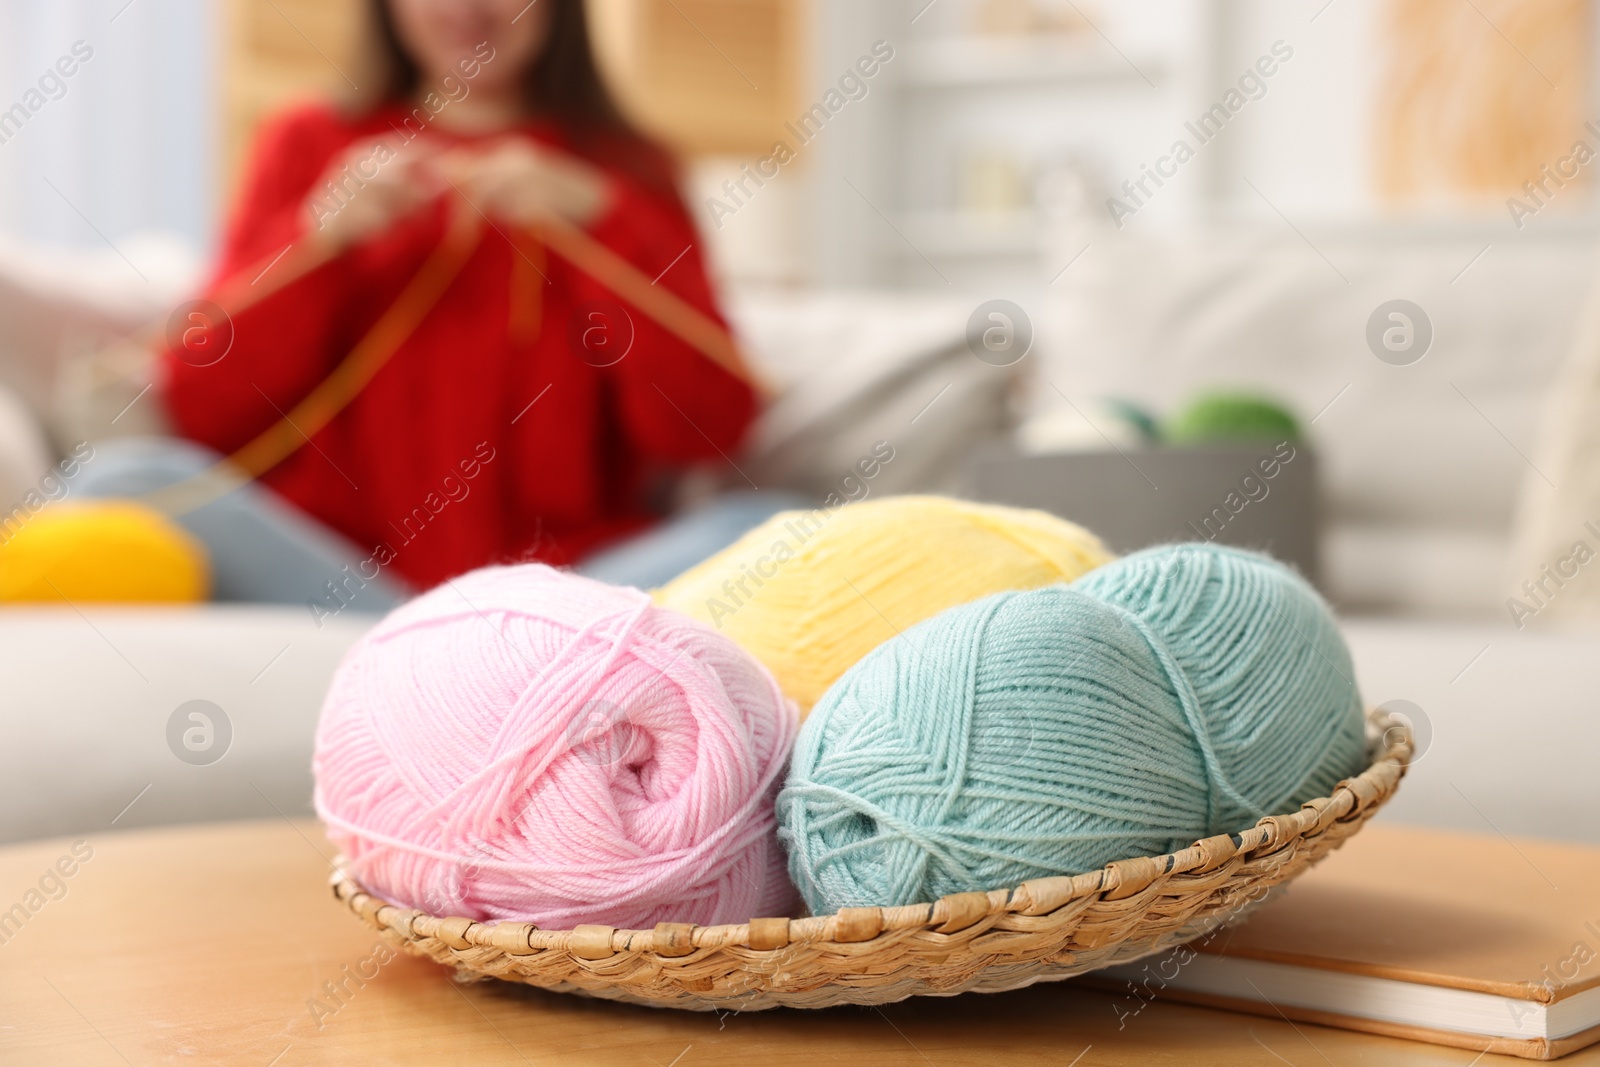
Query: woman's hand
x=525 y=184
x=374 y=184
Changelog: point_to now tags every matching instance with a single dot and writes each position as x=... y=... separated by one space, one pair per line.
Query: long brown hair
x=563 y=84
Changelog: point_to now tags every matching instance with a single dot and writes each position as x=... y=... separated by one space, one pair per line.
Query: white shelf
x=962 y=233
x=1063 y=58
x=956 y=107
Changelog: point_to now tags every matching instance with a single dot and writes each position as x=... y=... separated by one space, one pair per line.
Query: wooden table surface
x=212 y=944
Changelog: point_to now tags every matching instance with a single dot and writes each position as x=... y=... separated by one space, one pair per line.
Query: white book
x=1476 y=942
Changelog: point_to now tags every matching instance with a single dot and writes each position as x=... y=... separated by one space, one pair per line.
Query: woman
x=528 y=414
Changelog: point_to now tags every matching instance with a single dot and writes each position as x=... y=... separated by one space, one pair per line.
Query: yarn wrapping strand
x=457 y=776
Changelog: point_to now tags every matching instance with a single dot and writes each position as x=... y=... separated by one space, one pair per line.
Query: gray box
x=1147 y=496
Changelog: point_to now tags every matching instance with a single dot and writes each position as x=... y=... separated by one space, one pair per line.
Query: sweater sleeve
x=675 y=404
x=283 y=343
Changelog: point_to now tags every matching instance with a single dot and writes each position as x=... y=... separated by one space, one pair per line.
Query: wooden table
x=212 y=944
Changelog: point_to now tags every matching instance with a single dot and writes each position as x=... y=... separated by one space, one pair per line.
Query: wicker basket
x=1044 y=929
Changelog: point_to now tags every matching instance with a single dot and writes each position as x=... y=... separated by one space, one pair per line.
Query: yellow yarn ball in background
x=98 y=551
x=808 y=593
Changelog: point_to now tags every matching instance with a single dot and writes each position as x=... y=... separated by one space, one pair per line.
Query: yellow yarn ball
x=808 y=593
x=101 y=550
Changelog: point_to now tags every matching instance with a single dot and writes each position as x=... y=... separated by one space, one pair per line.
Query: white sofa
x=1421 y=483
x=88 y=697
x=1510 y=717
x=1423 y=465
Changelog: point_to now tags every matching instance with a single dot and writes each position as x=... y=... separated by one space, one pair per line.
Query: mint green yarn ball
x=1264 y=659
x=1219 y=418
x=1180 y=692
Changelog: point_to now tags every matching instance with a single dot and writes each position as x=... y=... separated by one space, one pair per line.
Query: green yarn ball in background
x=1181 y=692
x=1218 y=418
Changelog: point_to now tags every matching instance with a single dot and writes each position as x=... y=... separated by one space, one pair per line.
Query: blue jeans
x=663 y=552
x=265 y=550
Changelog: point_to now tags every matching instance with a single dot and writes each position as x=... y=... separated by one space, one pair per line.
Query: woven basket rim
x=1351 y=800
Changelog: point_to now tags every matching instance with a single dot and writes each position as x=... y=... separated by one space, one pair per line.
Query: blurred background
x=997 y=153
x=1337 y=157
x=997 y=124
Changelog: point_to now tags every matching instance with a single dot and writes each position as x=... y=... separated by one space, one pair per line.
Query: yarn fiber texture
x=524 y=743
x=1181 y=692
x=809 y=593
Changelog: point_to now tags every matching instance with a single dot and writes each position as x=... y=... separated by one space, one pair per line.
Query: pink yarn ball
x=524 y=743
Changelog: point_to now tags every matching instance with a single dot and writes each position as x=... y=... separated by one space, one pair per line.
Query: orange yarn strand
x=335 y=392
x=667 y=309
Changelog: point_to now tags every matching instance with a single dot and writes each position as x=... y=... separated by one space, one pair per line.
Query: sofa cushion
x=90 y=698
x=1435 y=446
